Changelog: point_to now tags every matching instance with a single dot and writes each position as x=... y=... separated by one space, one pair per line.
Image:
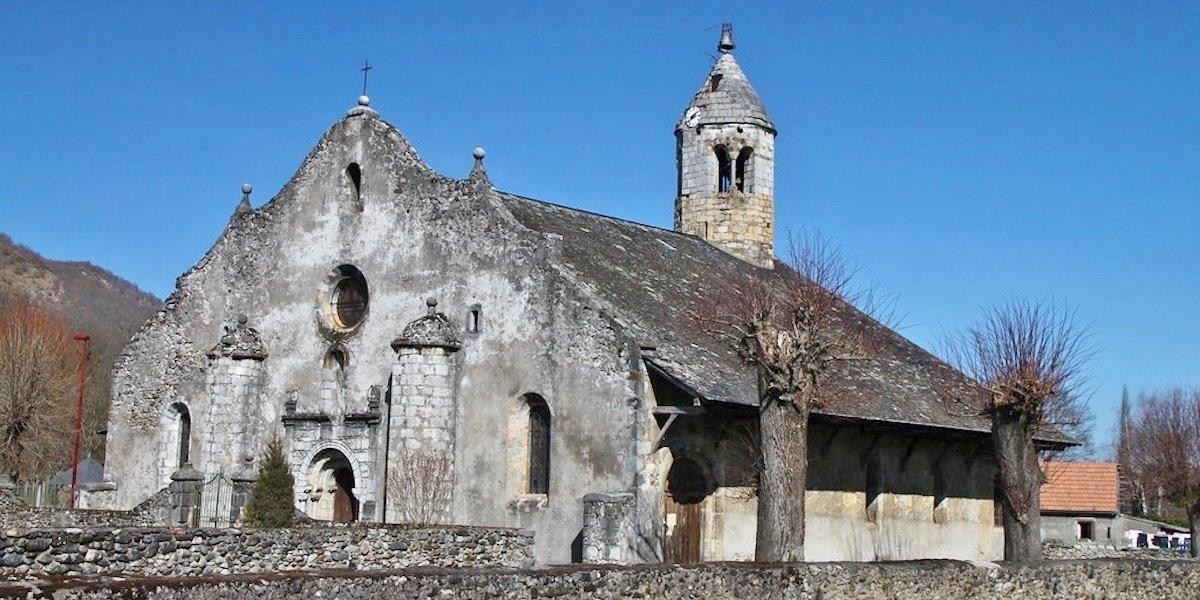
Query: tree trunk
x=782 y=477
x=1020 y=483
x=1194 y=525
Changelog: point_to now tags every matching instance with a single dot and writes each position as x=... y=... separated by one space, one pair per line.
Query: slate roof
x=649 y=278
x=90 y=471
x=1079 y=487
x=733 y=101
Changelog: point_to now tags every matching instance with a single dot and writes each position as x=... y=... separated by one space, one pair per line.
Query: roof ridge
x=597 y=214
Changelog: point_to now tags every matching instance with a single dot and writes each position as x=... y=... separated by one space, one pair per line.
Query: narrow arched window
x=539 y=446
x=354 y=174
x=724 y=169
x=474 y=314
x=183 y=435
x=745 y=171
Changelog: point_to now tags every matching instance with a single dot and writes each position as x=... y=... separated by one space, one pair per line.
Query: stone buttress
x=421 y=421
x=235 y=382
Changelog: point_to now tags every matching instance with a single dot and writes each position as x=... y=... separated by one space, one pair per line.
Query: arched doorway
x=688 y=485
x=329 y=488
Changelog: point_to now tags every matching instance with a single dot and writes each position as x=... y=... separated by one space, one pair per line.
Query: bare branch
x=36 y=372
x=1164 y=445
x=420 y=487
x=1030 y=356
x=793 y=324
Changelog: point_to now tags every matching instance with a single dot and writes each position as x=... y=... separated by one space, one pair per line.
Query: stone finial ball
x=364 y=101
x=242 y=320
x=478 y=153
x=247 y=188
x=431 y=302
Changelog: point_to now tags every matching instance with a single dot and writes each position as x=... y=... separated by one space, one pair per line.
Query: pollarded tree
x=1165 y=448
x=790 y=325
x=37 y=371
x=271 y=501
x=1029 y=357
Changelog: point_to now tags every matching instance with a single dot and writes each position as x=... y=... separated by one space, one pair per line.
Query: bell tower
x=725 y=157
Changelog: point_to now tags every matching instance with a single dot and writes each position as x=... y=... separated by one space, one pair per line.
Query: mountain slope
x=90 y=300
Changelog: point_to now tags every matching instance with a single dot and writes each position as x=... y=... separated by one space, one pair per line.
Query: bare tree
x=791 y=326
x=36 y=376
x=1029 y=357
x=1165 y=448
x=420 y=487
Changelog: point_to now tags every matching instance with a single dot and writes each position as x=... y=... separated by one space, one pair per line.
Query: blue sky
x=962 y=154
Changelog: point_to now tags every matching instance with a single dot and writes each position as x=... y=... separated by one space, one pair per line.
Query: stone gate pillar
x=235 y=380
x=420 y=461
x=186 y=484
x=607 y=527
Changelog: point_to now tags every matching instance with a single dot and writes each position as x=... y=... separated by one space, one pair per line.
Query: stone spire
x=726 y=95
x=725 y=147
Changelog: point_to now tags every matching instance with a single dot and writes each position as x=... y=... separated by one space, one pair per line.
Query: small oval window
x=350 y=297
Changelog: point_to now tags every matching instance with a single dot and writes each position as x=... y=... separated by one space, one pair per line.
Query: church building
x=436 y=350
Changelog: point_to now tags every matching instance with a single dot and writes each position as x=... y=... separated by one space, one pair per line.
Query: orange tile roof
x=1080 y=487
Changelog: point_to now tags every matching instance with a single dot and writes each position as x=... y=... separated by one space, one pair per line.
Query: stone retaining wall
x=15 y=514
x=924 y=580
x=1089 y=550
x=166 y=551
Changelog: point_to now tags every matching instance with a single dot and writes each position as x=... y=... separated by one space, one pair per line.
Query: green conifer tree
x=271 y=502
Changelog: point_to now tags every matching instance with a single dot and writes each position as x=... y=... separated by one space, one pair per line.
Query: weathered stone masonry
x=176 y=552
x=926 y=580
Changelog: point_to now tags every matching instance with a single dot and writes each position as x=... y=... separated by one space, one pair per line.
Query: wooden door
x=683 y=538
x=343 y=506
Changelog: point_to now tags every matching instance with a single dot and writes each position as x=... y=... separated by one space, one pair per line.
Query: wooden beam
x=662 y=433
x=680 y=410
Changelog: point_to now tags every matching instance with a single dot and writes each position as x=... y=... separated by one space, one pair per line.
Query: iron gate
x=216 y=502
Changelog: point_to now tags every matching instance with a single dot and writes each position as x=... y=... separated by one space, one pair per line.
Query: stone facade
x=192 y=552
x=384 y=320
x=929 y=580
x=417 y=236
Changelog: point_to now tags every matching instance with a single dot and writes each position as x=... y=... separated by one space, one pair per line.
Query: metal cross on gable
x=366 y=67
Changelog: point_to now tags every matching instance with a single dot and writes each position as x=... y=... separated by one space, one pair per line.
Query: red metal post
x=78 y=438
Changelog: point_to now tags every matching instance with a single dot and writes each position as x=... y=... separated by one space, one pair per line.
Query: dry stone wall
x=925 y=580
x=190 y=552
x=1088 y=550
x=15 y=514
